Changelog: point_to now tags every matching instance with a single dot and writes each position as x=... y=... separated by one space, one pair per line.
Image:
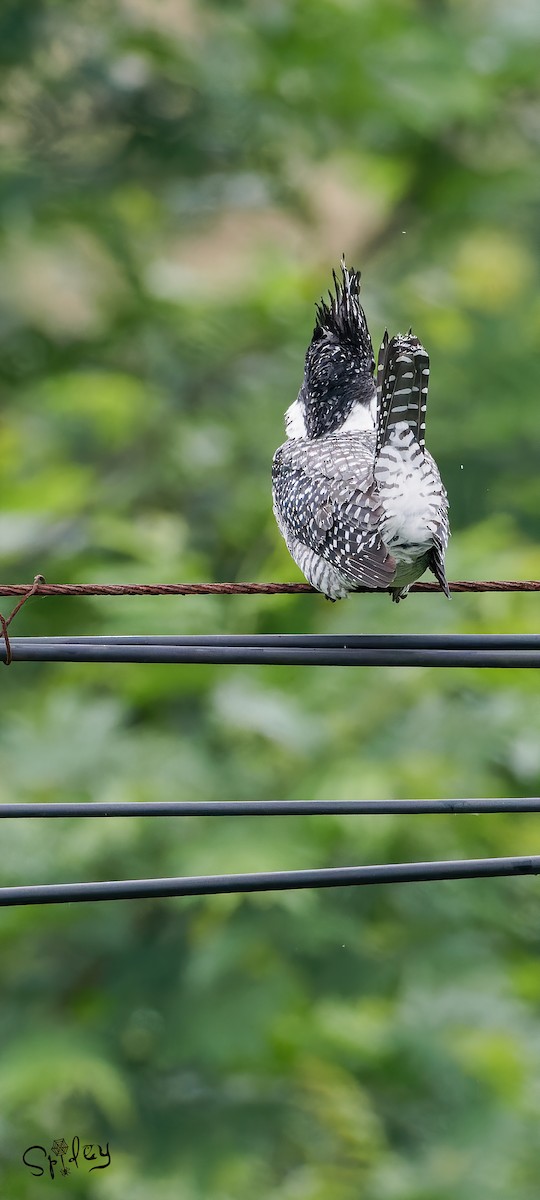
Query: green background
x=176 y=181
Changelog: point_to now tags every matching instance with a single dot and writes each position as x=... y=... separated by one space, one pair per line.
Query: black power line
x=334 y=641
x=304 y=652
x=283 y=649
x=269 y=881
x=270 y=808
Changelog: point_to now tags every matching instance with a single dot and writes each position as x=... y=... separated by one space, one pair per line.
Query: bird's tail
x=402 y=387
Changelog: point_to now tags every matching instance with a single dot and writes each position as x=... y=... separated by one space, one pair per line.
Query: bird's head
x=338 y=381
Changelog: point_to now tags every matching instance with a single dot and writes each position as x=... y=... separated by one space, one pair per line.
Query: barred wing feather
x=327 y=499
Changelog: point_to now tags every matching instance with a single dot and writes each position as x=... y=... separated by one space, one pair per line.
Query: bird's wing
x=326 y=497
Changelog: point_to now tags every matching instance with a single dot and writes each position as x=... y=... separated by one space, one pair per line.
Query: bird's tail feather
x=402 y=386
x=436 y=564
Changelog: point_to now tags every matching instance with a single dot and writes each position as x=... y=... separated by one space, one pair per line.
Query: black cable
x=269 y=808
x=26 y=650
x=269 y=881
x=300 y=640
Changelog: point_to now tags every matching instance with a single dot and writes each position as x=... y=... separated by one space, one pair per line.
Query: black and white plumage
x=357 y=497
x=415 y=523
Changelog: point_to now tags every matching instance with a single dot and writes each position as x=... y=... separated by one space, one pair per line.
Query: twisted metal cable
x=247 y=589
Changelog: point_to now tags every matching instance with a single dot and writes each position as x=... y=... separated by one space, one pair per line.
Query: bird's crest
x=343 y=317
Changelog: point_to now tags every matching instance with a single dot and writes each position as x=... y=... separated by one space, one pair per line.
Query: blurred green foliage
x=176 y=180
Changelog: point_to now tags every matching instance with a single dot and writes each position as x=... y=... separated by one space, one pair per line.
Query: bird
x=357 y=496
